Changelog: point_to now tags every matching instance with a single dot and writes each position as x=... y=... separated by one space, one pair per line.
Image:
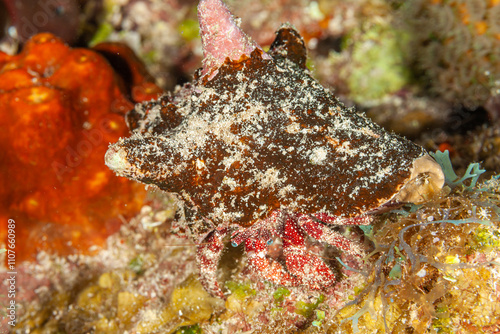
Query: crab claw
x=207 y=257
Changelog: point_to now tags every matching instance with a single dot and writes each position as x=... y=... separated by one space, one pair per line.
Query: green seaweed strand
x=452 y=180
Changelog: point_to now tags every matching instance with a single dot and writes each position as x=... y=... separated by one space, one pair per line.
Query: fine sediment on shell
x=263 y=135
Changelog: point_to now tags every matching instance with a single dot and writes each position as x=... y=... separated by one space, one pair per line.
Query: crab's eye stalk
x=427 y=178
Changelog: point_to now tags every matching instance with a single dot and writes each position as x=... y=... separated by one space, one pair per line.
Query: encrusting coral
x=60 y=108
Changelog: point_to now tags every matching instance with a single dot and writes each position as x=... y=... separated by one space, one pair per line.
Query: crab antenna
x=221 y=37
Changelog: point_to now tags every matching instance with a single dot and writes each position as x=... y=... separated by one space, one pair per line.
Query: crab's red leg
x=324 y=233
x=309 y=267
x=207 y=256
x=259 y=230
x=270 y=270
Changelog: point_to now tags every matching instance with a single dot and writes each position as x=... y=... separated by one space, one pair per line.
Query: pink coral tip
x=221 y=37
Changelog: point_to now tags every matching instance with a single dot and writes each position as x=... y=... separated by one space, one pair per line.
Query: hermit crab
x=255 y=148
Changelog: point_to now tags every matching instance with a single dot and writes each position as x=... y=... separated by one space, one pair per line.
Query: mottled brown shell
x=263 y=135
